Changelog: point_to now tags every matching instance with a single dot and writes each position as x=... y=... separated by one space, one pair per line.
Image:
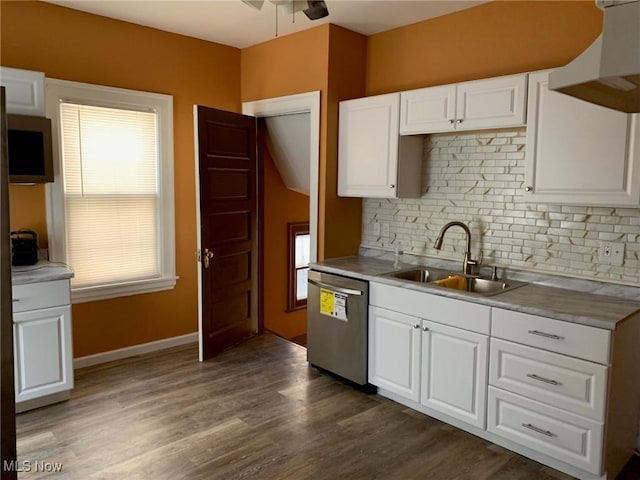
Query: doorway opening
x=290 y=127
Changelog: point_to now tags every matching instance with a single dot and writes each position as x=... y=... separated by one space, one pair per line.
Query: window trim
x=76 y=92
x=299 y=228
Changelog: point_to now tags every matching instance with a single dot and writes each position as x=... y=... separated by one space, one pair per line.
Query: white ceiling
x=231 y=22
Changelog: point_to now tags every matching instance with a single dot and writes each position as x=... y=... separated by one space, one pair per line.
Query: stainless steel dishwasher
x=337 y=325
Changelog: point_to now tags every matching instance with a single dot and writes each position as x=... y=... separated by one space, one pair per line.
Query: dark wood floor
x=257 y=411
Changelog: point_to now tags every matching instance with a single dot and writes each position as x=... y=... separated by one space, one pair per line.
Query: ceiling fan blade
x=257 y=4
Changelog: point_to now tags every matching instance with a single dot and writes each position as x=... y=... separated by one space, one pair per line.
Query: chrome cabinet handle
x=451 y=122
x=15 y=299
x=538 y=430
x=545 y=335
x=426 y=329
x=542 y=379
x=528 y=188
x=459 y=121
x=392 y=186
x=416 y=326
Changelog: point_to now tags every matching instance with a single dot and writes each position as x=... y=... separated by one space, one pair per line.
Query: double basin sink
x=465 y=283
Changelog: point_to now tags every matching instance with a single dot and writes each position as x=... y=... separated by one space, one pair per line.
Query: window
x=299 y=251
x=111 y=205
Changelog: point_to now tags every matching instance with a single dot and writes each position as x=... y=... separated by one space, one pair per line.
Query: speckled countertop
x=585 y=308
x=43 y=271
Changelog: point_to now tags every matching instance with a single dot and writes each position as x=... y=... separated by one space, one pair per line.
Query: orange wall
x=330 y=59
x=72 y=45
x=281 y=206
x=347 y=69
x=27 y=210
x=284 y=66
x=492 y=39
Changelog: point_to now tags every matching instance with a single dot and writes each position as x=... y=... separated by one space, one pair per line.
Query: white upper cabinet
x=373 y=160
x=479 y=104
x=24 y=91
x=579 y=153
x=428 y=110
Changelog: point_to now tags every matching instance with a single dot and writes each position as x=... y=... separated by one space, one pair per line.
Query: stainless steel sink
x=422 y=275
x=463 y=283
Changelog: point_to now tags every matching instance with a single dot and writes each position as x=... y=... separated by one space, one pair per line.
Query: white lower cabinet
x=436 y=364
x=454 y=372
x=561 y=393
x=557 y=433
x=42 y=365
x=394 y=352
x=42 y=345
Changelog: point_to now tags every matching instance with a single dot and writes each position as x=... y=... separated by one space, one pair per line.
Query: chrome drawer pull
x=546 y=335
x=538 y=430
x=15 y=299
x=542 y=379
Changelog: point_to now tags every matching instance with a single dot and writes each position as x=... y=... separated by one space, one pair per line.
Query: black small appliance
x=24 y=248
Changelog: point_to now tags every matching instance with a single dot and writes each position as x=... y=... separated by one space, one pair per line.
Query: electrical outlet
x=376 y=229
x=611 y=253
x=617 y=254
x=385 y=229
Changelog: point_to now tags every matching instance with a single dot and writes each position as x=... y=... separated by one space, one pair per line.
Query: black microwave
x=29 y=147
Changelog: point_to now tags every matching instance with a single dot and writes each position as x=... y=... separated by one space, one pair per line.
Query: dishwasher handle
x=346 y=291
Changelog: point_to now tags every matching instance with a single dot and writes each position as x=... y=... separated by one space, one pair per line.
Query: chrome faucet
x=468 y=262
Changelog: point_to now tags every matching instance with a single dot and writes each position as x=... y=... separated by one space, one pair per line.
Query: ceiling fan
x=313 y=9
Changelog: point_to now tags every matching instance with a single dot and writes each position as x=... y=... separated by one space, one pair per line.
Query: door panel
x=228 y=224
x=454 y=372
x=394 y=352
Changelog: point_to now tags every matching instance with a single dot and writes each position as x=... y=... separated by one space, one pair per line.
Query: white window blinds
x=111 y=194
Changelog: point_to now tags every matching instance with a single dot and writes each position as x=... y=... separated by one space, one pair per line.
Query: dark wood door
x=7 y=398
x=228 y=226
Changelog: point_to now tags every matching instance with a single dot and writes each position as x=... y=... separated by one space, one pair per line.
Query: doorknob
x=208 y=255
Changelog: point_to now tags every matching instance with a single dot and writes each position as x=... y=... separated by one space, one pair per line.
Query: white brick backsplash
x=478 y=178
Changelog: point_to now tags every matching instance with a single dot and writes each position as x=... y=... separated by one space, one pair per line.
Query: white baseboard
x=134 y=350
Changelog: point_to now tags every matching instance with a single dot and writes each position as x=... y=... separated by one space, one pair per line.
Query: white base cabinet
x=454 y=372
x=558 y=392
x=437 y=364
x=42 y=343
x=42 y=340
x=394 y=352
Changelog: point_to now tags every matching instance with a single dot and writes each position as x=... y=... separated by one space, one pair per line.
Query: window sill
x=105 y=292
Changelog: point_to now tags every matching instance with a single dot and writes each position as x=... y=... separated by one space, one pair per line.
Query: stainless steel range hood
x=608 y=72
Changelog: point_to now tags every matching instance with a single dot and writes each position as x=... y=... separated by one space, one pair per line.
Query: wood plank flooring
x=258 y=411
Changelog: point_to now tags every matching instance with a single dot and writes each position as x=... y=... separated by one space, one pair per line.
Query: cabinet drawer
x=564 y=382
x=558 y=336
x=559 y=434
x=448 y=311
x=33 y=296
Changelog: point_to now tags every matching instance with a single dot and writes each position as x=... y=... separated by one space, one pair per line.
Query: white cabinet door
x=43 y=358
x=24 y=91
x=492 y=103
x=454 y=372
x=394 y=352
x=480 y=104
x=372 y=160
x=427 y=110
x=579 y=153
